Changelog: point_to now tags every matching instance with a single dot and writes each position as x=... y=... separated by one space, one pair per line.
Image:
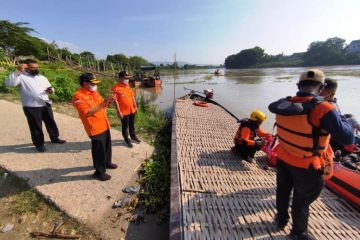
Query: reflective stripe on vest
x=298 y=137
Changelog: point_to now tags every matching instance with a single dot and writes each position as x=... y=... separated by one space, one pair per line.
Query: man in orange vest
x=304 y=124
x=91 y=107
x=126 y=108
x=245 y=143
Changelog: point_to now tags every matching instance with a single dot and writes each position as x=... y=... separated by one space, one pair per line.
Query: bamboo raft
x=215 y=195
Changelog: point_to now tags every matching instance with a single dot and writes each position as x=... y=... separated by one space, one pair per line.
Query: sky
x=198 y=31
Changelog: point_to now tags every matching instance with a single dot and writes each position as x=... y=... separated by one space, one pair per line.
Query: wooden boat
x=150 y=82
x=148 y=77
x=134 y=83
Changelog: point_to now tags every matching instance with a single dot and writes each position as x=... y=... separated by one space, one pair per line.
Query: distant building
x=353 y=47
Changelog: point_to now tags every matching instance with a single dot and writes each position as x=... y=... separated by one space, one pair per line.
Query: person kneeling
x=245 y=140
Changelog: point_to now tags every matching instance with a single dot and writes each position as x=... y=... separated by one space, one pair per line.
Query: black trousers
x=101 y=151
x=128 y=126
x=35 y=116
x=246 y=150
x=307 y=185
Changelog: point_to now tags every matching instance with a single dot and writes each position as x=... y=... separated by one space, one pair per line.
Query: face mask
x=93 y=88
x=34 y=72
x=126 y=81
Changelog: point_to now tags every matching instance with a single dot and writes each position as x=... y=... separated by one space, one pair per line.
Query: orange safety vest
x=247 y=132
x=124 y=95
x=302 y=141
x=84 y=100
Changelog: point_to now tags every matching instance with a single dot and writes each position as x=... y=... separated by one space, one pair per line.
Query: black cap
x=88 y=77
x=123 y=74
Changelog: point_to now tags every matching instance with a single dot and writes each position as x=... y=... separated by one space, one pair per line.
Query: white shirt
x=32 y=88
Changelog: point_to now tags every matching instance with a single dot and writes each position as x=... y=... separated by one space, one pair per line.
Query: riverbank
x=152 y=199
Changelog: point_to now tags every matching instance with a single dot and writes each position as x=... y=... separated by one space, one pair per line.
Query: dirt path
x=63 y=173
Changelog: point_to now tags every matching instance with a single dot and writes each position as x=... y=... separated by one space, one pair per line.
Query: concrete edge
x=175 y=225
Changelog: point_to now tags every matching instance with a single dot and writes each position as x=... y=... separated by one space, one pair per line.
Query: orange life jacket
x=298 y=136
x=248 y=124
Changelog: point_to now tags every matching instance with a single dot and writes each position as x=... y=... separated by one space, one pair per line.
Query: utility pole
x=174 y=76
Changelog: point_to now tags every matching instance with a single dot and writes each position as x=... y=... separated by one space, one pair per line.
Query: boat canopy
x=147 y=68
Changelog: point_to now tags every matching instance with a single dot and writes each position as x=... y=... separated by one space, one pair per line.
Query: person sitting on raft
x=328 y=93
x=249 y=136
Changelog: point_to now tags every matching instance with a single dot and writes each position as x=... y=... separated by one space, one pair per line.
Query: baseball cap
x=88 y=77
x=123 y=74
x=314 y=75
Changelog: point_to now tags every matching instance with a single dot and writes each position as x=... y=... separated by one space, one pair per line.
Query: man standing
x=126 y=108
x=34 y=90
x=91 y=108
x=304 y=124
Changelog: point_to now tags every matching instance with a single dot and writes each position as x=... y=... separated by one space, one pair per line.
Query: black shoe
x=41 y=148
x=102 y=177
x=249 y=159
x=128 y=143
x=234 y=151
x=59 y=141
x=301 y=236
x=135 y=140
x=112 y=166
x=280 y=224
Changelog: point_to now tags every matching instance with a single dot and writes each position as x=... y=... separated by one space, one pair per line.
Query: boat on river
x=146 y=77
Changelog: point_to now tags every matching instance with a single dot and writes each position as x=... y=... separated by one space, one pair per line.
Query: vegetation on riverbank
x=29 y=212
x=319 y=53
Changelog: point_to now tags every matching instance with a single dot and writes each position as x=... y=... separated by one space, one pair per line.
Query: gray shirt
x=32 y=88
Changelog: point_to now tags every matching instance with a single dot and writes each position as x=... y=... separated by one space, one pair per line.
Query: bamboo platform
x=215 y=195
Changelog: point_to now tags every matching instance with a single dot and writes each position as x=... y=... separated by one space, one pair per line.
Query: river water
x=244 y=90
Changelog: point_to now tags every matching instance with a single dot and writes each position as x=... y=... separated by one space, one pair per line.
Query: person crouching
x=245 y=140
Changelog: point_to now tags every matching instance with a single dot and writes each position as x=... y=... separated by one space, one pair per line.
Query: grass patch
x=155 y=180
x=27 y=201
x=26 y=205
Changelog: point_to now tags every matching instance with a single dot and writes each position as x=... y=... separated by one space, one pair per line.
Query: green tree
x=88 y=55
x=329 y=52
x=136 y=61
x=13 y=35
x=245 y=58
x=119 y=60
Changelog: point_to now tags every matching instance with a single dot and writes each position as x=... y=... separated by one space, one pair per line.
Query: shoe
x=135 y=140
x=128 y=143
x=59 y=141
x=249 y=159
x=112 y=166
x=280 y=224
x=234 y=151
x=41 y=148
x=301 y=236
x=102 y=177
